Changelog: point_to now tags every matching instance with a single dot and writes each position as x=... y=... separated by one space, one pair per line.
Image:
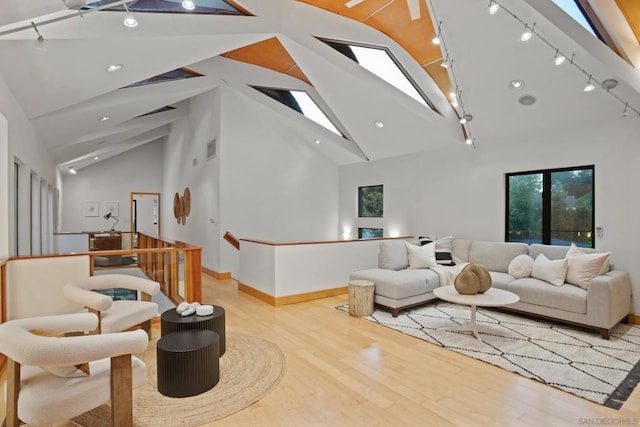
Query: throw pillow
x=72 y=371
x=521 y=266
x=582 y=268
x=422 y=240
x=421 y=256
x=553 y=272
x=444 y=245
x=393 y=255
x=575 y=250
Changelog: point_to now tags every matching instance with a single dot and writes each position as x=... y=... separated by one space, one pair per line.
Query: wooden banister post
x=121 y=391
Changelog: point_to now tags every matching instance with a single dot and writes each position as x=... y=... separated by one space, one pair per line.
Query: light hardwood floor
x=346 y=371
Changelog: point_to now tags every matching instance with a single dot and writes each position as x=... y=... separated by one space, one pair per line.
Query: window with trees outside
x=553 y=206
x=370 y=201
x=369 y=233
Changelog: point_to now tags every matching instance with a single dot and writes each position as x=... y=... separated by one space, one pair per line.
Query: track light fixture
x=436 y=40
x=493 y=7
x=559 y=58
x=527 y=33
x=40 y=39
x=625 y=113
x=188 y=4
x=72 y=171
x=445 y=63
x=466 y=118
x=469 y=141
x=129 y=20
x=589 y=86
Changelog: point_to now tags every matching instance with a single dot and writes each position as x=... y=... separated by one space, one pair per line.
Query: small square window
x=370 y=201
x=369 y=233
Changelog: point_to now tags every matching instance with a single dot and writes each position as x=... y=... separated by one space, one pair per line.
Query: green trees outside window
x=370 y=201
x=552 y=206
x=369 y=233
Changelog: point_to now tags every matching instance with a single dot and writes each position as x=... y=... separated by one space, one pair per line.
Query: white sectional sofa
x=601 y=304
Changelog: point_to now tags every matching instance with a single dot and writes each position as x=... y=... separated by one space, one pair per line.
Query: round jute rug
x=250 y=368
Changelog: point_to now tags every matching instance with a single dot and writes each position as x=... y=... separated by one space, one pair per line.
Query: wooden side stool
x=361 y=297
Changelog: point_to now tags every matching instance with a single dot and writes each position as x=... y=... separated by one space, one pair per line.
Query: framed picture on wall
x=91 y=208
x=111 y=207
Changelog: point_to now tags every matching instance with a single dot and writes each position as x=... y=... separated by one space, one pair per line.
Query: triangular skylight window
x=212 y=7
x=383 y=64
x=169 y=76
x=159 y=110
x=301 y=102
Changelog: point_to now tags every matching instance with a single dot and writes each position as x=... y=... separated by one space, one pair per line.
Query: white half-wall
x=111 y=180
x=461 y=191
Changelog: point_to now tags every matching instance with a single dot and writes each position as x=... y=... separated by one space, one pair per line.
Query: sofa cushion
x=393 y=255
x=500 y=280
x=460 y=249
x=496 y=256
x=521 y=266
x=399 y=284
x=538 y=292
x=421 y=256
x=575 y=250
x=553 y=272
x=444 y=246
x=581 y=269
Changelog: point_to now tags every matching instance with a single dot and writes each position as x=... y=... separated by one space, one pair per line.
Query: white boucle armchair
x=115 y=316
x=37 y=396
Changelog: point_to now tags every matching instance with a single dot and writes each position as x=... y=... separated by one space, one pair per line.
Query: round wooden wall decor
x=187 y=202
x=182 y=206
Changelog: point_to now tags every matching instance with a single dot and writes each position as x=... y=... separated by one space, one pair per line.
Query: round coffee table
x=171 y=321
x=492 y=298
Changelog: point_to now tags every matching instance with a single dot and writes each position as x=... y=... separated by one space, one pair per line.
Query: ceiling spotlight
x=559 y=58
x=96 y=158
x=114 y=67
x=609 y=84
x=72 y=171
x=104 y=118
x=589 y=86
x=516 y=84
x=378 y=124
x=188 y=4
x=452 y=95
x=444 y=63
x=129 y=20
x=468 y=141
x=317 y=141
x=527 y=100
x=435 y=40
x=466 y=119
x=40 y=38
x=526 y=34
x=493 y=7
x=454 y=103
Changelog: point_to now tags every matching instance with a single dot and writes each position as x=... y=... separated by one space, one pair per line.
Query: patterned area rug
x=569 y=358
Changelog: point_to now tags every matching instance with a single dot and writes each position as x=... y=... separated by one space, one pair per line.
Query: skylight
x=169 y=76
x=382 y=63
x=213 y=7
x=576 y=12
x=301 y=102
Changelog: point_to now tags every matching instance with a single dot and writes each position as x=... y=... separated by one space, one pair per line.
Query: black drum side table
x=171 y=321
x=188 y=362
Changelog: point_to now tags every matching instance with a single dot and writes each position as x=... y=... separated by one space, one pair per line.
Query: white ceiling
x=64 y=89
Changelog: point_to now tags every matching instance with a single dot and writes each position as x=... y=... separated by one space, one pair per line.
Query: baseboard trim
x=633 y=319
x=291 y=299
x=215 y=274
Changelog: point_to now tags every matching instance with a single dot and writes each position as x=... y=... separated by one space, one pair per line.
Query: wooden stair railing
x=233 y=240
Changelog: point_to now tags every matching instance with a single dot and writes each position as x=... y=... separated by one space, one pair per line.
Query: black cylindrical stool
x=188 y=362
x=171 y=321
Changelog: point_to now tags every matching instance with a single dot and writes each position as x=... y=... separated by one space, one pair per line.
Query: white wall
x=25 y=144
x=460 y=191
x=110 y=180
x=265 y=183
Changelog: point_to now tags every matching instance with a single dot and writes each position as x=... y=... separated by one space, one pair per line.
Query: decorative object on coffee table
x=172 y=321
x=361 y=297
x=473 y=279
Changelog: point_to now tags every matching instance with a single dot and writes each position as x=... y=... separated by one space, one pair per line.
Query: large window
x=369 y=233
x=552 y=206
x=370 y=201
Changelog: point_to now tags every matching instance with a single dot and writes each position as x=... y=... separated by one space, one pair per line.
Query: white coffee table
x=492 y=298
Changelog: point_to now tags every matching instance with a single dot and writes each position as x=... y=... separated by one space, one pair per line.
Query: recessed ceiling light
x=435 y=40
x=104 y=118
x=468 y=141
x=527 y=100
x=95 y=158
x=317 y=141
x=609 y=84
x=114 y=67
x=516 y=84
x=378 y=124
x=188 y=4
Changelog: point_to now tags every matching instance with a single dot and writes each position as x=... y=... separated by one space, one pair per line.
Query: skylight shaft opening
x=573 y=10
x=311 y=110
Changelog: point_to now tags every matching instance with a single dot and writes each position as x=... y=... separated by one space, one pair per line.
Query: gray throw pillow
x=393 y=255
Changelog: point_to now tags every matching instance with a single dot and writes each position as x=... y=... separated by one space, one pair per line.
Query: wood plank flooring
x=346 y=371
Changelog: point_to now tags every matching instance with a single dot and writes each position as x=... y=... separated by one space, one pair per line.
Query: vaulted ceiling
x=64 y=89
